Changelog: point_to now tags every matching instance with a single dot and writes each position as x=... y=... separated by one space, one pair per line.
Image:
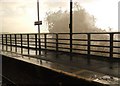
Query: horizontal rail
x=65 y=33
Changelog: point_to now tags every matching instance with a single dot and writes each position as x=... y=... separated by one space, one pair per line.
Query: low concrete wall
x=22 y=73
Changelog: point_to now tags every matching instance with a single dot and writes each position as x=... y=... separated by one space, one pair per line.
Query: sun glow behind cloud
x=19 y=15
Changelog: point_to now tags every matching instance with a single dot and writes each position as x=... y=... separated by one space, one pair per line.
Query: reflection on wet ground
x=106 y=72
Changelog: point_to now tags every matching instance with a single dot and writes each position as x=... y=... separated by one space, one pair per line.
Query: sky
x=20 y=15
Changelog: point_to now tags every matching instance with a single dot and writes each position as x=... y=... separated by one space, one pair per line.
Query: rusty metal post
x=2 y=42
x=111 y=45
x=21 y=44
x=88 y=48
x=15 y=43
x=6 y=42
x=57 y=42
x=10 y=43
x=36 y=43
x=28 y=43
x=45 y=36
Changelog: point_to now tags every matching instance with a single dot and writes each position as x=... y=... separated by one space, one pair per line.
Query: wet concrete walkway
x=98 y=70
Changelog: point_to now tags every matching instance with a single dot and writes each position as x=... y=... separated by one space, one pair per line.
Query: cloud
x=54 y=4
x=15 y=7
x=64 y=4
x=16 y=15
x=12 y=9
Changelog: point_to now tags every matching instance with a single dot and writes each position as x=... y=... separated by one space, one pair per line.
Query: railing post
x=45 y=36
x=15 y=43
x=10 y=43
x=57 y=42
x=39 y=45
x=89 y=38
x=21 y=44
x=2 y=43
x=111 y=45
x=6 y=42
x=70 y=43
x=28 y=43
x=36 y=43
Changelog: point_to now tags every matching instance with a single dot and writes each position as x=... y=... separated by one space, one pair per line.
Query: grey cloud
x=55 y=3
x=11 y=10
x=63 y=3
x=14 y=8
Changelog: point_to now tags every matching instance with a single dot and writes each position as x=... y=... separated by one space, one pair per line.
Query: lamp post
x=38 y=23
x=70 y=26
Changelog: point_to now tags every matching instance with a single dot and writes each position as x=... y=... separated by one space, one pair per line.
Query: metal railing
x=99 y=44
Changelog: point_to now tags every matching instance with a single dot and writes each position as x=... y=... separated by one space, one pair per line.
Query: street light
x=70 y=26
x=38 y=23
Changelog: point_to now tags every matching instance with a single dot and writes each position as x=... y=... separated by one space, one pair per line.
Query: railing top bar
x=92 y=33
x=19 y=33
x=63 y=33
x=26 y=33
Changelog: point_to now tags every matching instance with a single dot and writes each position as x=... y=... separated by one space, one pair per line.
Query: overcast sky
x=19 y=15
